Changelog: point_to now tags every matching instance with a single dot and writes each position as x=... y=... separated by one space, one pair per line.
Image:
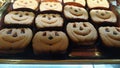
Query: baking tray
x=91 y=55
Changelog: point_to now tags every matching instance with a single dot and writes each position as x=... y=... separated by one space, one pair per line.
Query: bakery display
x=83 y=33
x=2 y=3
x=81 y=2
x=101 y=16
x=19 y=17
x=50 y=42
x=31 y=4
x=110 y=36
x=75 y=12
x=49 y=20
x=14 y=40
x=98 y=4
x=50 y=5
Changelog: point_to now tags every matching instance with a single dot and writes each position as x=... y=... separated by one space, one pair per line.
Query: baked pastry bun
x=101 y=16
x=49 y=20
x=19 y=17
x=14 y=40
x=81 y=2
x=98 y=4
x=75 y=12
x=110 y=36
x=31 y=4
x=82 y=33
x=50 y=42
x=50 y=6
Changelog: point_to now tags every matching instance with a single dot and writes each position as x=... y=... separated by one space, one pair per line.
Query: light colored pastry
x=19 y=17
x=110 y=36
x=49 y=20
x=98 y=4
x=75 y=12
x=2 y=2
x=48 y=6
x=100 y=16
x=81 y=2
x=50 y=42
x=82 y=33
x=31 y=4
x=14 y=40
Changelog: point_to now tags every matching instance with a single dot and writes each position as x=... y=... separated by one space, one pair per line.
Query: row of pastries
x=15 y=40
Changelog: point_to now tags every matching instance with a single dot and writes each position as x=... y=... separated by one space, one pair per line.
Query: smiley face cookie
x=81 y=2
x=83 y=33
x=19 y=17
x=75 y=12
x=14 y=40
x=98 y=4
x=48 y=20
x=110 y=36
x=50 y=42
x=100 y=16
x=31 y=4
x=50 y=6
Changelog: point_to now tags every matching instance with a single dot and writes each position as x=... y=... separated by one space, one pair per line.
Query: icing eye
x=118 y=29
x=26 y=14
x=56 y=34
x=50 y=37
x=54 y=16
x=81 y=28
x=16 y=13
x=74 y=25
x=115 y=33
x=22 y=31
x=15 y=35
x=44 y=16
x=9 y=31
x=54 y=4
x=70 y=7
x=74 y=0
x=44 y=34
x=84 y=25
x=46 y=4
x=107 y=30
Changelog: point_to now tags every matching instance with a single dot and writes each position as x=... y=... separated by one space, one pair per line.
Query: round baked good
x=19 y=17
x=50 y=6
x=98 y=4
x=75 y=12
x=31 y=4
x=101 y=16
x=110 y=36
x=82 y=33
x=48 y=20
x=81 y=2
x=2 y=2
x=50 y=42
x=14 y=40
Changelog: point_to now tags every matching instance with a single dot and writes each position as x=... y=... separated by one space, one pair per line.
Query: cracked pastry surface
x=50 y=41
x=19 y=17
x=98 y=4
x=110 y=36
x=100 y=16
x=83 y=33
x=75 y=12
x=31 y=4
x=14 y=40
x=49 y=20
